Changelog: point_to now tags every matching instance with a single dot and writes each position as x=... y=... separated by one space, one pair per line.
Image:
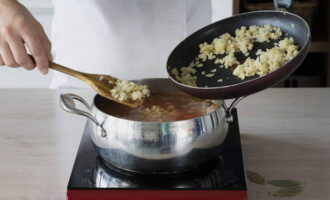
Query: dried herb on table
x=289 y=191
x=290 y=187
x=256 y=178
x=285 y=183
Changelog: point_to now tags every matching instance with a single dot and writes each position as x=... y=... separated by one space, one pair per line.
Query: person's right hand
x=19 y=28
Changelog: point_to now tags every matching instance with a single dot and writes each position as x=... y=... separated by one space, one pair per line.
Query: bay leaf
x=255 y=178
x=284 y=183
x=289 y=191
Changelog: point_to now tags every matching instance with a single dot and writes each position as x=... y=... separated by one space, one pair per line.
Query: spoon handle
x=66 y=70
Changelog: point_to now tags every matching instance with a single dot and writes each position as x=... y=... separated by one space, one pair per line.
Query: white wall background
x=43 y=11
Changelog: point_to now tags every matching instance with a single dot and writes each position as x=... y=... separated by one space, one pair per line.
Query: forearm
x=4 y=4
x=8 y=7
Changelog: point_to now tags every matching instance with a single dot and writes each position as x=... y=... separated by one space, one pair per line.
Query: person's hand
x=19 y=28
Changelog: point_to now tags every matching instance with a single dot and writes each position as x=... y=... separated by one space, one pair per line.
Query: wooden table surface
x=285 y=135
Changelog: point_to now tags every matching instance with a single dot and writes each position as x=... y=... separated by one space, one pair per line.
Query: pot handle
x=229 y=117
x=283 y=5
x=68 y=105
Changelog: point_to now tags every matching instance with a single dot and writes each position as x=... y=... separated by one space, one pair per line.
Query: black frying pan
x=232 y=86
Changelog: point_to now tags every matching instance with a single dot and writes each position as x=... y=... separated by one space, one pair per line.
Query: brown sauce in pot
x=162 y=108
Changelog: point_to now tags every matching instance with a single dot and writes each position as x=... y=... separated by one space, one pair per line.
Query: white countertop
x=285 y=135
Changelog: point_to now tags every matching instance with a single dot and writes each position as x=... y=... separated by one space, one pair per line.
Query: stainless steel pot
x=154 y=147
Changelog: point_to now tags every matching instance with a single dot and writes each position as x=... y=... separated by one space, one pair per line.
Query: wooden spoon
x=102 y=84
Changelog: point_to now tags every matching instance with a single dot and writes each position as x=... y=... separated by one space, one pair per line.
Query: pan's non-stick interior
x=290 y=24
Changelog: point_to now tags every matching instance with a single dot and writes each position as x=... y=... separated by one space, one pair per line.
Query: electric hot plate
x=218 y=179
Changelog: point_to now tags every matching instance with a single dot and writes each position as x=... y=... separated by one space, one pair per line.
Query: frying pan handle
x=283 y=5
x=229 y=116
x=68 y=105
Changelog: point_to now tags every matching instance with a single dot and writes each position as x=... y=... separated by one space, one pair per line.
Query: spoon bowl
x=102 y=84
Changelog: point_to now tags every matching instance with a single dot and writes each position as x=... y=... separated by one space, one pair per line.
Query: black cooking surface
x=225 y=172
